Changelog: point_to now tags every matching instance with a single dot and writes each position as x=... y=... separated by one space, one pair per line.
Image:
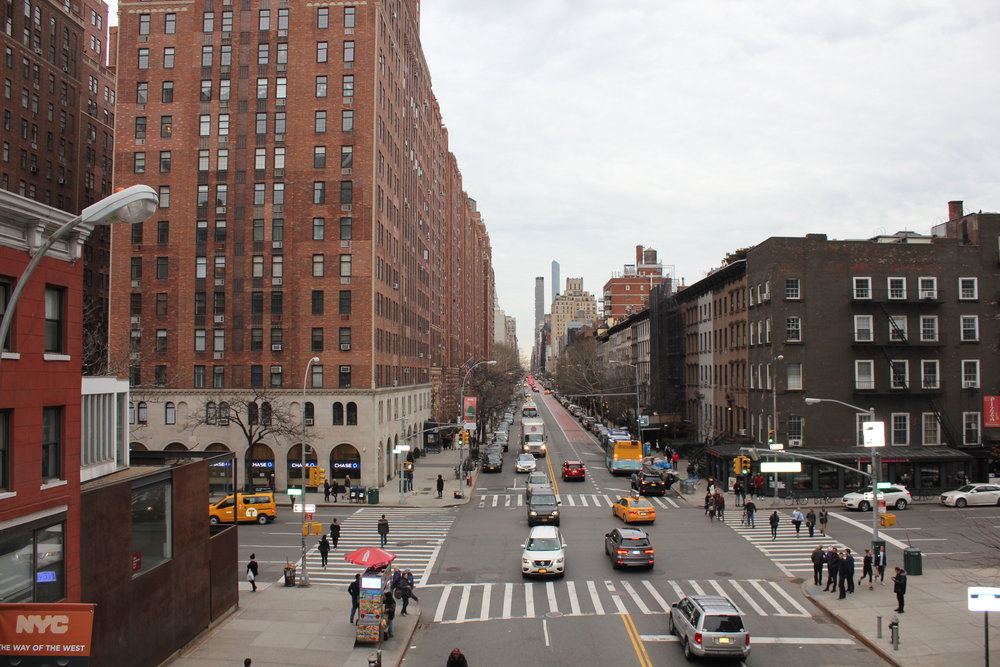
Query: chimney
x=638 y=255
x=955 y=210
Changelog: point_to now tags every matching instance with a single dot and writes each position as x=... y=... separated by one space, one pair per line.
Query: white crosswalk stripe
x=789 y=553
x=475 y=602
x=516 y=500
x=415 y=536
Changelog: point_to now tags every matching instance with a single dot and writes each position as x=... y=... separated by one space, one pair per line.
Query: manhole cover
x=797 y=580
x=723 y=574
x=554 y=614
x=453 y=569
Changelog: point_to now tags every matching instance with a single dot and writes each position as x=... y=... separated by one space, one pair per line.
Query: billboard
x=34 y=634
x=991 y=411
x=469 y=412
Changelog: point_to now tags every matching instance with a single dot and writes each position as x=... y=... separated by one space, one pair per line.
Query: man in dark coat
x=832 y=566
x=324 y=550
x=389 y=605
x=818 y=560
x=846 y=573
x=334 y=533
x=899 y=588
x=440 y=486
x=383 y=531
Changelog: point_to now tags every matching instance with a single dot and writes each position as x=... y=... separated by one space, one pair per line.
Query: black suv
x=648 y=484
x=543 y=507
x=629 y=547
x=493 y=463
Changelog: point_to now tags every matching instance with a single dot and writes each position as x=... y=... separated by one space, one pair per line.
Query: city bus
x=623 y=457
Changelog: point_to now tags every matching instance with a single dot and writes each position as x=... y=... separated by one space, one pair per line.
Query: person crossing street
x=324 y=550
x=383 y=531
x=334 y=533
x=774 y=520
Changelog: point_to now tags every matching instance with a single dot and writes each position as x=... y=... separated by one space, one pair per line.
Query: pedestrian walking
x=457 y=659
x=405 y=588
x=709 y=504
x=710 y=507
x=866 y=569
x=720 y=505
x=797 y=519
x=389 y=612
x=880 y=564
x=811 y=521
x=846 y=573
x=832 y=566
x=347 y=487
x=818 y=558
x=774 y=525
x=737 y=489
x=750 y=511
x=824 y=517
x=326 y=490
x=334 y=533
x=674 y=459
x=324 y=550
x=354 y=590
x=253 y=569
x=440 y=485
x=383 y=530
x=899 y=588
x=758 y=486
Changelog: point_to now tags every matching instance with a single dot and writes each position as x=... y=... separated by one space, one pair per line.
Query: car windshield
x=546 y=499
x=635 y=543
x=573 y=466
x=641 y=503
x=650 y=478
x=723 y=624
x=538 y=478
x=524 y=458
x=543 y=544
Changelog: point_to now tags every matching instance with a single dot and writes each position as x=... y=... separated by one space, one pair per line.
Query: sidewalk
x=308 y=627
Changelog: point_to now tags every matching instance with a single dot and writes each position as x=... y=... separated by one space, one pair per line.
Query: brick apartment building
x=627 y=292
x=902 y=323
x=309 y=206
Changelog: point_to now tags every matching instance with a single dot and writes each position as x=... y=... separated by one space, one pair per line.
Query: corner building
x=309 y=207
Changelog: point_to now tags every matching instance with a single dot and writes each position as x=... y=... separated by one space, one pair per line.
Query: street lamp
x=461 y=396
x=132 y=205
x=638 y=432
x=304 y=579
x=874 y=451
x=774 y=412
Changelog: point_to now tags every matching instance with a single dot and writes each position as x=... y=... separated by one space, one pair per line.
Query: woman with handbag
x=252 y=570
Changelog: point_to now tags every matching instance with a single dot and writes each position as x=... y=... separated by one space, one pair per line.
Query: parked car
x=972 y=494
x=895 y=496
x=538 y=479
x=629 y=547
x=573 y=470
x=544 y=553
x=525 y=463
x=632 y=508
x=709 y=625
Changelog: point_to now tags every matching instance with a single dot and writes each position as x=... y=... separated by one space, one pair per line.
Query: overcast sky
x=585 y=127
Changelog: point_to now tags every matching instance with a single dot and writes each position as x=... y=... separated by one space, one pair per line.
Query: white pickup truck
x=533 y=437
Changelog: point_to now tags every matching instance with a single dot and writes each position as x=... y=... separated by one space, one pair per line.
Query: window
x=165 y=162
x=344 y=377
x=344 y=302
x=322 y=18
x=319 y=192
x=167 y=92
x=219 y=340
x=283 y=19
x=349 y=51
x=275 y=376
x=347 y=85
x=200 y=338
x=968 y=289
x=863 y=329
x=225 y=56
x=317 y=265
x=970 y=428
x=338 y=414
x=860 y=419
x=346 y=228
x=264 y=19
x=352 y=414
x=225 y=88
x=52 y=428
x=900 y=434
x=349 y=14
x=142 y=92
x=164 y=193
x=794 y=427
x=152 y=525
x=166 y=126
x=321 y=85
x=256 y=376
x=347 y=120
x=143 y=58
x=135 y=265
x=140 y=130
x=346 y=192
x=161 y=304
x=199 y=377
x=897 y=328
x=170 y=24
x=345 y=266
x=208 y=21
x=896 y=288
x=317 y=339
x=319 y=122
x=4 y=451
x=864 y=374
x=793 y=330
x=227 y=21
x=280 y=88
x=970 y=373
x=931 y=429
x=317 y=302
x=792 y=288
x=862 y=288
x=219 y=382
x=206 y=91
x=346 y=157
x=139 y=162
x=316 y=372
x=33 y=563
x=262 y=89
x=319 y=157
x=162 y=267
x=169 y=413
x=168 y=57
x=318 y=229
x=899 y=371
x=927 y=288
x=928 y=328
x=54 y=320
x=223 y=125
x=794 y=376
x=321 y=51
x=970 y=328
x=930 y=374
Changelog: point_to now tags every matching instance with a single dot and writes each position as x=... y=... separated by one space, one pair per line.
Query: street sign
x=399 y=449
x=777 y=445
x=781 y=466
x=874 y=434
x=643 y=420
x=295 y=492
x=309 y=516
x=297 y=507
x=984 y=599
x=884 y=485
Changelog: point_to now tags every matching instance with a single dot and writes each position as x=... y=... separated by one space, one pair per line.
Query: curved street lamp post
x=304 y=579
x=461 y=397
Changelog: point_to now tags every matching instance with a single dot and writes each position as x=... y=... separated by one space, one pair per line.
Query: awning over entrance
x=886 y=454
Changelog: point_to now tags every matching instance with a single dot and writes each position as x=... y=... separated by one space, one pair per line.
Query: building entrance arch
x=259 y=472
x=345 y=461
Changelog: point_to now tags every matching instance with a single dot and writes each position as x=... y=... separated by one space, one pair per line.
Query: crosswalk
x=791 y=554
x=474 y=602
x=514 y=500
x=415 y=536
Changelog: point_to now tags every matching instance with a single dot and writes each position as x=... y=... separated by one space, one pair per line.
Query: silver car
x=524 y=463
x=536 y=480
x=709 y=625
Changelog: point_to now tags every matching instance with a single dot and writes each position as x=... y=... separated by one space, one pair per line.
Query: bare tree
x=495 y=384
x=260 y=415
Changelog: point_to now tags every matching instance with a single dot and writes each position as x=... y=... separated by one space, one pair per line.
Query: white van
x=544 y=553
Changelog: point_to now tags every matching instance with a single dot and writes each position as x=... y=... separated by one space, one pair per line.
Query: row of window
x=275 y=377
x=50 y=444
x=862 y=289
x=317 y=339
x=899 y=429
x=317 y=303
x=264 y=20
x=220 y=414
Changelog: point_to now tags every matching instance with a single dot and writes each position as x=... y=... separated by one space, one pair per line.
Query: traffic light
x=738 y=465
x=742 y=465
x=316 y=476
x=770 y=436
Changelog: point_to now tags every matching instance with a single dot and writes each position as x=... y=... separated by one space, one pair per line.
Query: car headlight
x=555 y=512
x=560 y=560
x=532 y=513
x=525 y=561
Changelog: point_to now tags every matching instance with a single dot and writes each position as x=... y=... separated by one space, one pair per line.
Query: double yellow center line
x=637 y=645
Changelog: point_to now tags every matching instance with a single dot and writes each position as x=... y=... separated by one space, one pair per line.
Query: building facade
x=335 y=228
x=627 y=292
x=572 y=304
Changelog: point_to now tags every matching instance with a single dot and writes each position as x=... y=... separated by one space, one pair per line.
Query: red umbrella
x=370 y=557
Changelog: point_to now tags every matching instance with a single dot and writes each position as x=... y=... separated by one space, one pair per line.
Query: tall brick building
x=627 y=293
x=309 y=207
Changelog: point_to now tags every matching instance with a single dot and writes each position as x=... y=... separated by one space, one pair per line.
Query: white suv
x=895 y=496
x=544 y=553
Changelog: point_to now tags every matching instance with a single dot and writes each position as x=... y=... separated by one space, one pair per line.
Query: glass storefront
x=152 y=526
x=295 y=475
x=220 y=473
x=802 y=481
x=260 y=469
x=345 y=461
x=32 y=564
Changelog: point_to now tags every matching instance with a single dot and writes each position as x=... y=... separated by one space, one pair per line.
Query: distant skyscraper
x=555 y=279
x=539 y=300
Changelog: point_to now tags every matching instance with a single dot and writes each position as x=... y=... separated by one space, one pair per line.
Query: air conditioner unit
x=275 y=281
x=277 y=244
x=927 y=294
x=275 y=347
x=62 y=181
x=134 y=356
x=135 y=283
x=969 y=384
x=795 y=442
x=276 y=318
x=309 y=422
x=345 y=369
x=345 y=347
x=219 y=282
x=220 y=209
x=395 y=286
x=136 y=319
x=140 y=142
x=220 y=319
x=219 y=355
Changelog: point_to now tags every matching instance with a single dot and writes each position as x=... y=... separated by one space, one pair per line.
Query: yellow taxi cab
x=259 y=507
x=632 y=509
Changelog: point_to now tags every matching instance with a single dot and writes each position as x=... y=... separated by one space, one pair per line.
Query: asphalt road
x=476 y=599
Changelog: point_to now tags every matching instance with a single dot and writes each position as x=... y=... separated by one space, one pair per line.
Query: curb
x=848 y=627
x=409 y=637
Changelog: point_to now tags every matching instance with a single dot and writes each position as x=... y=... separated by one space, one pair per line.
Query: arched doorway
x=345 y=461
x=260 y=468
x=294 y=466
x=137 y=447
x=220 y=473
x=175 y=447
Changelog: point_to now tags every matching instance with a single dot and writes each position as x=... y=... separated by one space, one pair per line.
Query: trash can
x=289 y=575
x=687 y=487
x=886 y=519
x=373 y=496
x=912 y=561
